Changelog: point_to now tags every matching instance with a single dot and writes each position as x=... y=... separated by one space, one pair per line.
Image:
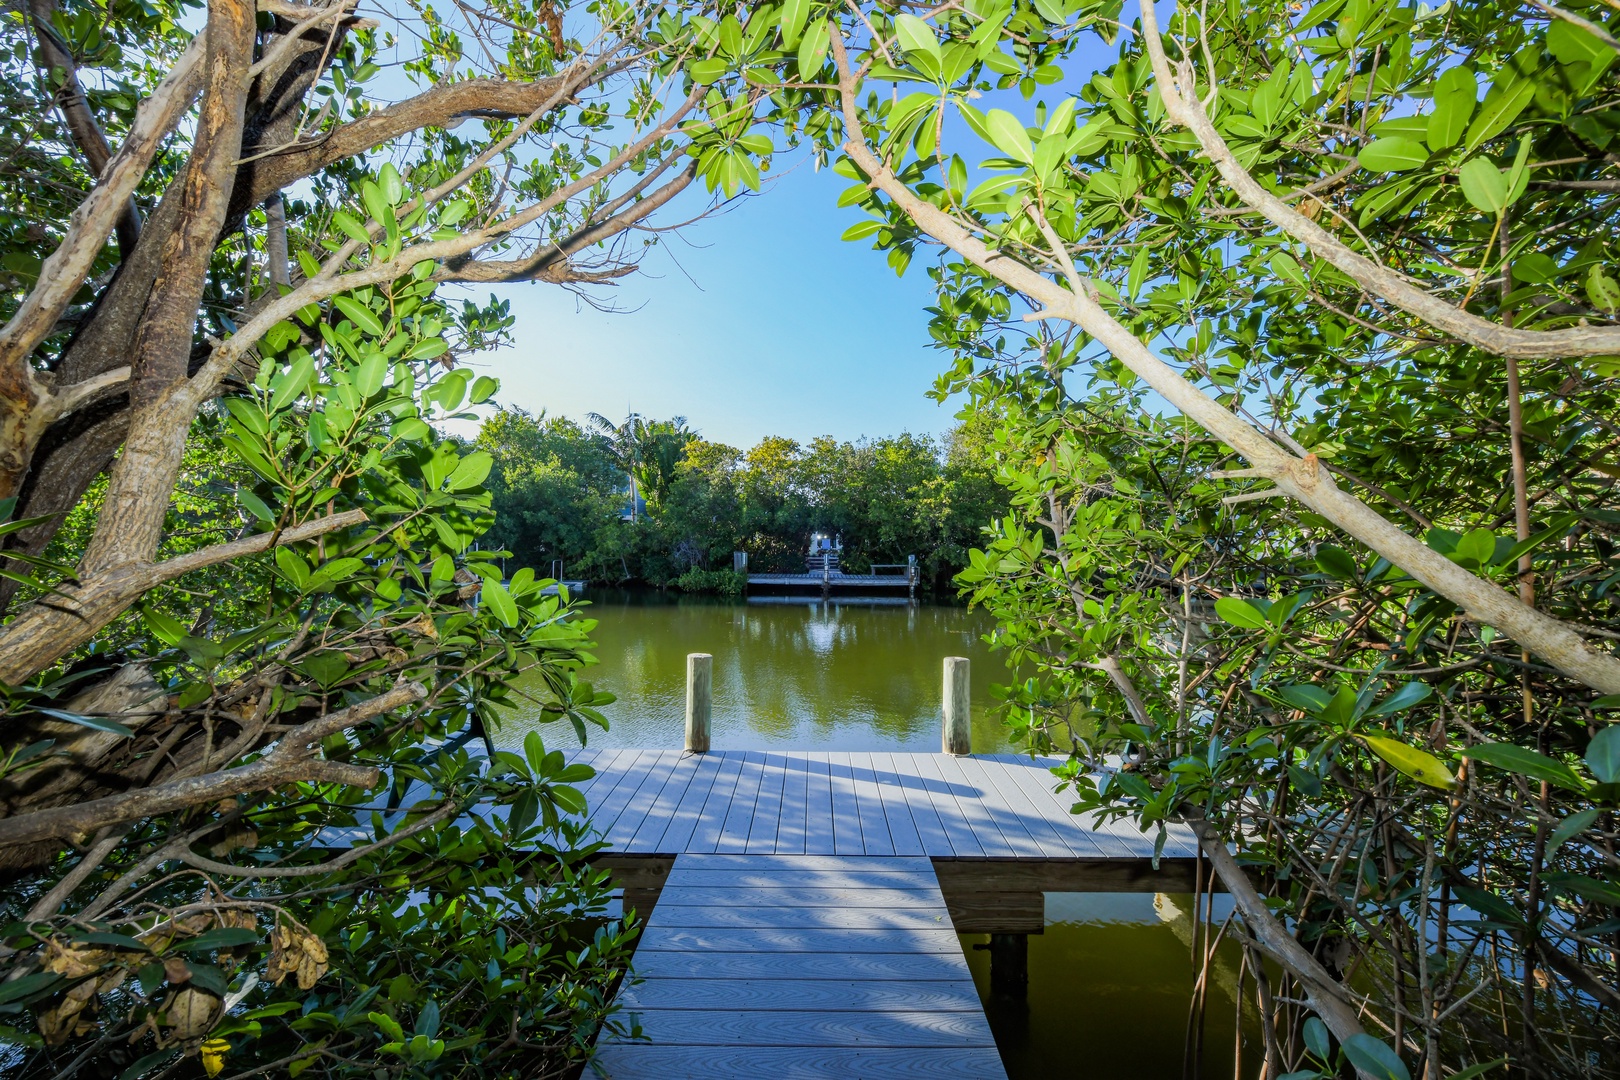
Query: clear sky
x=757 y=321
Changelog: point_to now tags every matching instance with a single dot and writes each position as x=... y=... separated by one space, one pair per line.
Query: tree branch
x=53 y=56
x=1182 y=105
x=445 y=812
x=65 y=268
x=291 y=760
x=1327 y=996
x=1300 y=478
x=27 y=644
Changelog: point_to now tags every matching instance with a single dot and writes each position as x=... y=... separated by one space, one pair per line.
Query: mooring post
x=699 y=692
x=956 y=734
x=1009 y=966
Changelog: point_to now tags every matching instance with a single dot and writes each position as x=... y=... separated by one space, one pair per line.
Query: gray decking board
x=997 y=806
x=642 y=1062
x=801 y=966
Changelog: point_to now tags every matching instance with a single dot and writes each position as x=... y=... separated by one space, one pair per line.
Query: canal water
x=1110 y=978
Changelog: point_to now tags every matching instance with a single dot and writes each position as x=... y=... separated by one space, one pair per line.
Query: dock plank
x=740 y=816
x=683 y=820
x=682 y=775
x=778 y=995
x=793 y=894
x=903 y=831
x=792 y=830
x=769 y=807
x=629 y=1061
x=818 y=806
x=925 y=967
x=846 y=818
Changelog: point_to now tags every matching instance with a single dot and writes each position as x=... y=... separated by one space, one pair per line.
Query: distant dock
x=829 y=583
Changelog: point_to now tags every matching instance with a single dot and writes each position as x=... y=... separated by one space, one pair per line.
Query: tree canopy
x=560 y=492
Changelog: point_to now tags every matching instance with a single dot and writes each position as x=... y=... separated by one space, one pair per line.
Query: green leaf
x=1571 y=827
x=1604 y=892
x=1374 y=1058
x=228 y=937
x=1007 y=134
x=389 y=183
x=1527 y=762
x=1573 y=45
x=1394 y=154
x=1500 y=109
x=1316 y=1032
x=483 y=388
x=1478 y=1070
x=17 y=989
x=1603 y=755
x=165 y=629
x=362 y=316
x=495 y=597
x=1420 y=765
x=793 y=16
x=1336 y=562
x=1454 y=96
x=1287 y=267
x=1490 y=905
x=95 y=723
x=351 y=227
x=704 y=72
x=1476 y=546
x=570 y=799
x=1484 y=185
x=368 y=377
x=209 y=978
x=411 y=428
x=1312 y=699
x=254 y=505
x=1404 y=698
x=288 y=385
x=915 y=35
x=813 y=49
x=471 y=471
x=1240 y=613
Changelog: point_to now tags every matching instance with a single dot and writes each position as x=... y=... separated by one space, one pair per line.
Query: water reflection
x=800 y=675
x=1110 y=985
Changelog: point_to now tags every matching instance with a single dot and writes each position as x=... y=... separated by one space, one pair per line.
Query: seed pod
x=192 y=1013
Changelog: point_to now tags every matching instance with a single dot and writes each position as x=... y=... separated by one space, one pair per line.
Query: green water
x=1111 y=977
x=1110 y=992
x=806 y=675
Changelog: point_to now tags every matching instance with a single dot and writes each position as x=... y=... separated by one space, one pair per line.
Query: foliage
x=559 y=493
x=396 y=607
x=1372 y=243
x=721 y=582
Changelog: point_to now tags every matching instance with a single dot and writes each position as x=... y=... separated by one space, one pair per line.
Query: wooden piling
x=956 y=731
x=699 y=694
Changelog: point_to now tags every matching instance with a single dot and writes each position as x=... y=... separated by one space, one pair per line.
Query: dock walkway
x=803 y=907
x=790 y=966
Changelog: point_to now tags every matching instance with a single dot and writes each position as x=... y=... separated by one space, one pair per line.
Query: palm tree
x=647 y=450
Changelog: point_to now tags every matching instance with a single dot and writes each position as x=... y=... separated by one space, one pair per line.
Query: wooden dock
x=787 y=966
x=831 y=583
x=803 y=907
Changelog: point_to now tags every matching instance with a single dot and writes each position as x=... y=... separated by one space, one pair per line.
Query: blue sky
x=757 y=321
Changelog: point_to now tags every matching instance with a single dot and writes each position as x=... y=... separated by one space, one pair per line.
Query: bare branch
x=291 y=760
